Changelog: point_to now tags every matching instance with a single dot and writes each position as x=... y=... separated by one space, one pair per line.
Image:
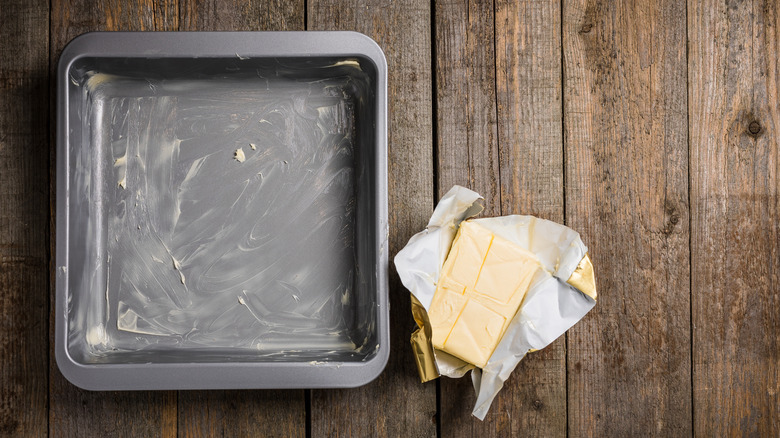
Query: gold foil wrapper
x=548 y=311
x=421 y=343
x=584 y=278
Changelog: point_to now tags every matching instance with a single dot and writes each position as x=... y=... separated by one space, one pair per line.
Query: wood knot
x=538 y=404
x=754 y=128
x=673 y=215
x=586 y=28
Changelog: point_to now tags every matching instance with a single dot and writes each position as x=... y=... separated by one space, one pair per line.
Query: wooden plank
x=72 y=411
x=396 y=404
x=467 y=140
x=528 y=67
x=242 y=413
x=499 y=132
x=626 y=191
x=735 y=216
x=214 y=15
x=24 y=158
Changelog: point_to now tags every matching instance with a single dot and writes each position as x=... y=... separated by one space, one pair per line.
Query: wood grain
x=467 y=141
x=684 y=338
x=72 y=411
x=499 y=132
x=229 y=413
x=528 y=74
x=215 y=15
x=529 y=95
x=626 y=173
x=467 y=154
x=23 y=217
x=241 y=413
x=396 y=404
x=735 y=221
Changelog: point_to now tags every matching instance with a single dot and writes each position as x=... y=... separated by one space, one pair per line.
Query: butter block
x=481 y=286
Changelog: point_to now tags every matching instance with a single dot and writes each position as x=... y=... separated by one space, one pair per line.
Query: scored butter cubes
x=482 y=284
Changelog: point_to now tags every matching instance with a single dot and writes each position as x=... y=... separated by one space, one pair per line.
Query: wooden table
x=652 y=128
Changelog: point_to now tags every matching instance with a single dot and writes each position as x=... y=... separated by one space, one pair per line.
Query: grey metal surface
x=221 y=210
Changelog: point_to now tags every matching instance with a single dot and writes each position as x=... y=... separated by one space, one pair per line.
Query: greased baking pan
x=221 y=210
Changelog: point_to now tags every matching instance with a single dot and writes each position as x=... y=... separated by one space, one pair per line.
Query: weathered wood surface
x=530 y=138
x=735 y=216
x=395 y=404
x=241 y=413
x=215 y=15
x=24 y=196
x=72 y=411
x=258 y=413
x=626 y=178
x=498 y=84
x=664 y=155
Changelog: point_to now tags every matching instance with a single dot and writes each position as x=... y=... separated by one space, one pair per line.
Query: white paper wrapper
x=551 y=306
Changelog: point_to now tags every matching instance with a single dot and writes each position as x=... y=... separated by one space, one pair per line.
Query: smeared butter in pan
x=482 y=284
x=239 y=155
x=214 y=224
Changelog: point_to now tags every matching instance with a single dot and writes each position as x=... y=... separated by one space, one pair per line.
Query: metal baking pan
x=221 y=210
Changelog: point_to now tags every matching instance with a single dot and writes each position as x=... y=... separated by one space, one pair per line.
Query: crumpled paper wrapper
x=560 y=294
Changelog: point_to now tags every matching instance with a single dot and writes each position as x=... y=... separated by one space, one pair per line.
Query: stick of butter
x=485 y=292
x=481 y=287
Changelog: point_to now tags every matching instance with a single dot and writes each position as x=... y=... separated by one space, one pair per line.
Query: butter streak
x=243 y=243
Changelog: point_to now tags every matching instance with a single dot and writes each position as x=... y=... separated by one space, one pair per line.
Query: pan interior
x=221 y=209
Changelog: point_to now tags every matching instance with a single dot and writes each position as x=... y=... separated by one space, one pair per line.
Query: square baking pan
x=221 y=210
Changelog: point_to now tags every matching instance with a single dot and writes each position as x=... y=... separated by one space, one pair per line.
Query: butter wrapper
x=559 y=295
